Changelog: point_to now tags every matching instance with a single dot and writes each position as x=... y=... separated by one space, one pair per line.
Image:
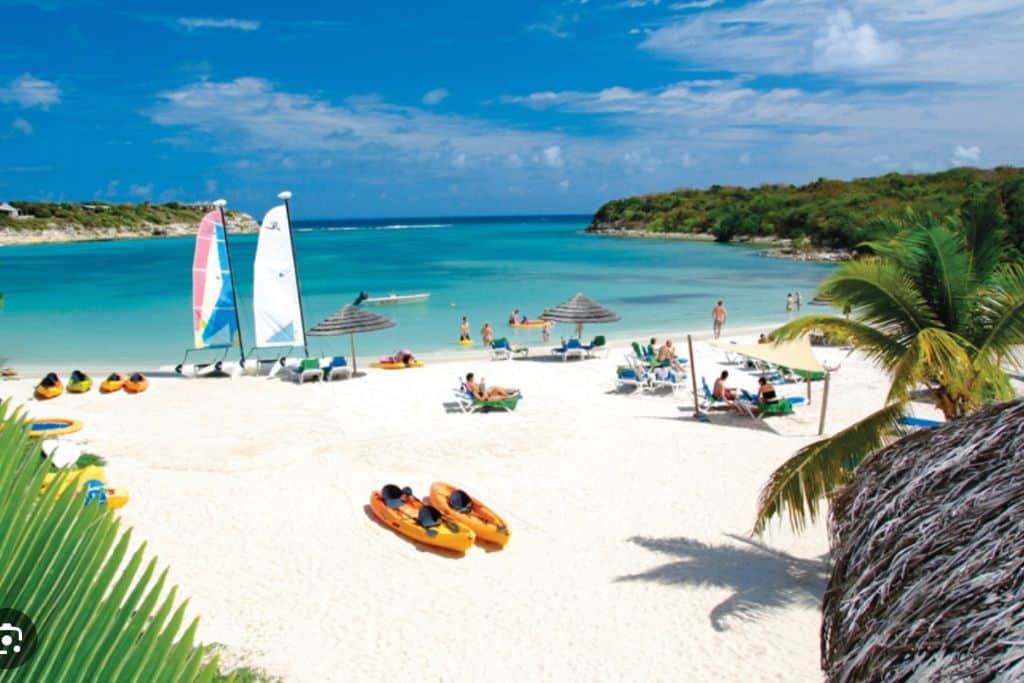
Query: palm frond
x=880 y=294
x=873 y=343
x=1003 y=315
x=983 y=226
x=941 y=268
x=934 y=355
x=797 y=487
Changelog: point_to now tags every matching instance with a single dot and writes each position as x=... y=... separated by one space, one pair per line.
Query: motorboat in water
x=396 y=299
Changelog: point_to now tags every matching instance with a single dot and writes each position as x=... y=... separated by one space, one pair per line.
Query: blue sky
x=413 y=108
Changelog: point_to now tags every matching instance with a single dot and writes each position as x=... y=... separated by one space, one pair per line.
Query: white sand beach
x=629 y=560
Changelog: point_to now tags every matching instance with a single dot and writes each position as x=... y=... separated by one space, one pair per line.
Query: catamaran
x=277 y=298
x=214 y=303
x=393 y=298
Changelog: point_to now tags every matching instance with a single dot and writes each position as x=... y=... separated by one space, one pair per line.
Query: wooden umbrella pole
x=807 y=377
x=824 y=405
x=693 y=377
x=352 y=338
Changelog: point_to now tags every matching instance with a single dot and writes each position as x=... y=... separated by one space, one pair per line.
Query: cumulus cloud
x=697 y=4
x=553 y=156
x=141 y=190
x=434 y=96
x=963 y=156
x=230 y=23
x=845 y=45
x=27 y=91
x=22 y=126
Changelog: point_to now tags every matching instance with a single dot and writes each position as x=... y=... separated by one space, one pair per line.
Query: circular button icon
x=18 y=638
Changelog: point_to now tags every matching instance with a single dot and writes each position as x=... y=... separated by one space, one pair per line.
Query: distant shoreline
x=776 y=247
x=63 y=234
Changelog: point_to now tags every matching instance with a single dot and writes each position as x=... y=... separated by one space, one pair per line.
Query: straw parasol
x=350 y=320
x=579 y=310
x=926 y=582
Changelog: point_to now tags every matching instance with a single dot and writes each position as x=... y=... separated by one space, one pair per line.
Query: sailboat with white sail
x=214 y=302
x=277 y=296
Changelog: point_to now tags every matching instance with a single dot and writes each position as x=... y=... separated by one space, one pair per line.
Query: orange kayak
x=136 y=384
x=49 y=387
x=405 y=513
x=464 y=509
x=113 y=383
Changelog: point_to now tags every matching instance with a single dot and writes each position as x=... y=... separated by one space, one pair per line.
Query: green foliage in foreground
x=826 y=212
x=941 y=308
x=99 y=613
x=104 y=215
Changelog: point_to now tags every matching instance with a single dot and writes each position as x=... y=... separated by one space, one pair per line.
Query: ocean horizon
x=128 y=303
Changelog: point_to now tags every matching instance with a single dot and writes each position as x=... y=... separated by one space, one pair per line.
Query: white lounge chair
x=335 y=368
x=571 y=348
x=309 y=370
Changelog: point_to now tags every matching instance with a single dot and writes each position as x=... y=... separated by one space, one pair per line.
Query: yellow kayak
x=397 y=365
x=464 y=509
x=90 y=479
x=403 y=512
x=465 y=342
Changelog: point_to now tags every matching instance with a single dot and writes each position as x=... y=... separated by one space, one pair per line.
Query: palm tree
x=936 y=308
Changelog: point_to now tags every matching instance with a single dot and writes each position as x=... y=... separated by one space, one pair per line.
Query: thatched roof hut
x=928 y=550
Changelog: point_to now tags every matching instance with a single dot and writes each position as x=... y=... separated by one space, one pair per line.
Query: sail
x=276 y=302
x=214 y=318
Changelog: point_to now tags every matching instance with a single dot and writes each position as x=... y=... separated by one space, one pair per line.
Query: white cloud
x=194 y=23
x=697 y=4
x=687 y=160
x=141 y=190
x=28 y=91
x=553 y=156
x=434 y=96
x=22 y=126
x=745 y=159
x=459 y=161
x=514 y=160
x=564 y=185
x=964 y=156
x=844 y=45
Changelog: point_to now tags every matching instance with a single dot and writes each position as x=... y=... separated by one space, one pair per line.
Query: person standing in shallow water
x=799 y=301
x=718 y=316
x=464 y=329
x=789 y=303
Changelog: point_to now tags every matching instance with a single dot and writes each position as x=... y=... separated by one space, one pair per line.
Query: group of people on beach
x=719 y=314
x=729 y=395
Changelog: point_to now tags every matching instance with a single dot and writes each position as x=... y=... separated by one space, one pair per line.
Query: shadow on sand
x=760 y=578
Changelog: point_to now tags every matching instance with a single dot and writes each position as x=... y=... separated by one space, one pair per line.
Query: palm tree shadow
x=761 y=578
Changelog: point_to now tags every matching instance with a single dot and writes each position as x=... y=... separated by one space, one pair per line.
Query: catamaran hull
x=403 y=299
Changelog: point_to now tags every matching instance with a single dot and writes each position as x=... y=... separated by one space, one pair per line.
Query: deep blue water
x=130 y=301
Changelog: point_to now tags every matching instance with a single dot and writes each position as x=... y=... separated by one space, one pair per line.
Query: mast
x=286 y=195
x=220 y=203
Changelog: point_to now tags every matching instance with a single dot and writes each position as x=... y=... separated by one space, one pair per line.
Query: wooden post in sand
x=807 y=377
x=693 y=378
x=824 y=404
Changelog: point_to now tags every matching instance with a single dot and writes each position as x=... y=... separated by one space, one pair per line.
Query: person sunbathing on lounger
x=666 y=356
x=488 y=394
x=766 y=391
x=723 y=392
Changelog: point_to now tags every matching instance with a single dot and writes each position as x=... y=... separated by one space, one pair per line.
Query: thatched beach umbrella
x=350 y=320
x=579 y=310
x=928 y=551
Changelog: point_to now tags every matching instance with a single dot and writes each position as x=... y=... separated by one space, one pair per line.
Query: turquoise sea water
x=129 y=303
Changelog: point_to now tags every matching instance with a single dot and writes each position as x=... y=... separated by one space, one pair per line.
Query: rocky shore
x=775 y=247
x=55 y=232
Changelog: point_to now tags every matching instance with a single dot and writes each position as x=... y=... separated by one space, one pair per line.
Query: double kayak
x=396 y=365
x=136 y=384
x=79 y=382
x=90 y=481
x=114 y=382
x=407 y=515
x=456 y=504
x=49 y=387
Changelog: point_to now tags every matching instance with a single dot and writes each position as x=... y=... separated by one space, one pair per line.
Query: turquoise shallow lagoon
x=129 y=303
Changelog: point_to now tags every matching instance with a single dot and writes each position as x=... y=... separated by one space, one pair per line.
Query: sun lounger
x=469 y=404
x=309 y=370
x=569 y=348
x=712 y=402
x=597 y=347
x=502 y=349
x=919 y=422
x=670 y=379
x=336 y=368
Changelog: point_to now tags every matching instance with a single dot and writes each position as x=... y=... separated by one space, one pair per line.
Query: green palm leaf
x=817 y=470
x=1003 y=312
x=874 y=343
x=881 y=294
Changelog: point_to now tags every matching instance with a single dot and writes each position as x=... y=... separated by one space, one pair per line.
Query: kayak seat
x=77 y=376
x=136 y=377
x=428 y=517
x=392 y=496
x=50 y=380
x=460 y=501
x=113 y=377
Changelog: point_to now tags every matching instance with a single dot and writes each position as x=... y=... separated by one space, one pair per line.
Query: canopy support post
x=693 y=378
x=807 y=378
x=352 y=338
x=824 y=404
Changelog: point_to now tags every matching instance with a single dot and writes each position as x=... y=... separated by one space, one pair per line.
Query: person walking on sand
x=464 y=329
x=718 y=316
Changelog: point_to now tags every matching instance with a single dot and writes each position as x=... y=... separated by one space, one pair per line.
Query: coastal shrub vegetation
x=941 y=307
x=99 y=612
x=830 y=213
x=102 y=215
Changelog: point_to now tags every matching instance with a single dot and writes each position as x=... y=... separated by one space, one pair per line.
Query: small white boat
x=397 y=299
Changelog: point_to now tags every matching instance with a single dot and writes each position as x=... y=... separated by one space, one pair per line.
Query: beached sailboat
x=277 y=299
x=214 y=304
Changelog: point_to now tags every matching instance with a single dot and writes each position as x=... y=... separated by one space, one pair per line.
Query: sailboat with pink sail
x=215 y=322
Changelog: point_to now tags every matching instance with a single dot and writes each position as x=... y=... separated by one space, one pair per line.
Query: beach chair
x=919 y=422
x=502 y=349
x=597 y=347
x=569 y=348
x=632 y=375
x=712 y=402
x=309 y=370
x=670 y=379
x=469 y=404
x=336 y=368
x=781 y=406
x=642 y=354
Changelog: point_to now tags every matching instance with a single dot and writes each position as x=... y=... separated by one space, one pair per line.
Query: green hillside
x=103 y=215
x=830 y=213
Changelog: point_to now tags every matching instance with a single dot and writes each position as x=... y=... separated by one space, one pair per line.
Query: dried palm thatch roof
x=928 y=551
x=580 y=309
x=350 y=319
